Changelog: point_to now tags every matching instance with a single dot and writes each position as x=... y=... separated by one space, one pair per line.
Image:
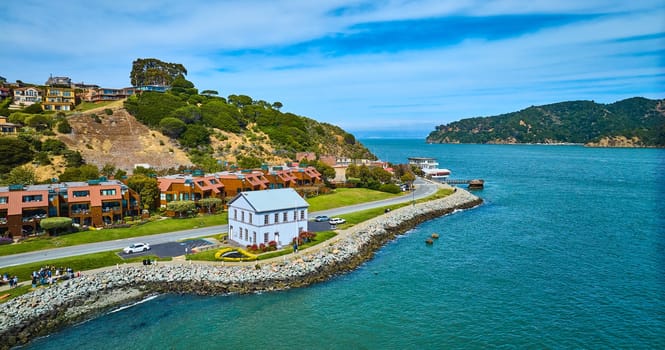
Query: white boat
x=430 y=167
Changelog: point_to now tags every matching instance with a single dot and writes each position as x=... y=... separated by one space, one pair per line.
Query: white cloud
x=406 y=90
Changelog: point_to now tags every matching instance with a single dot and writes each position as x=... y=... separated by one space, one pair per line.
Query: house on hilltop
x=258 y=217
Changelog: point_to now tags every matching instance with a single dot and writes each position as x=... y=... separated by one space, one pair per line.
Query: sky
x=392 y=68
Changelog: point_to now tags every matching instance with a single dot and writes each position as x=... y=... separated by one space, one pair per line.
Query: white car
x=137 y=247
x=336 y=221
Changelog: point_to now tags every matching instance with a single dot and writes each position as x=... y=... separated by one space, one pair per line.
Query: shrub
x=6 y=240
x=390 y=188
x=108 y=111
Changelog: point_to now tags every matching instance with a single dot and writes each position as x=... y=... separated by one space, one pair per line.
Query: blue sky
x=375 y=68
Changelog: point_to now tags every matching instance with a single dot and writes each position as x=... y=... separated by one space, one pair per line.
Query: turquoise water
x=567 y=252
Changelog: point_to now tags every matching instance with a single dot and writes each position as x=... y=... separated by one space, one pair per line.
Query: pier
x=473 y=184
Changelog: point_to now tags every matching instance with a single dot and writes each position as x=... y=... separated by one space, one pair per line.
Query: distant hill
x=634 y=122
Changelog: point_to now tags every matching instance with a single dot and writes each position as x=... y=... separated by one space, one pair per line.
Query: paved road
x=423 y=189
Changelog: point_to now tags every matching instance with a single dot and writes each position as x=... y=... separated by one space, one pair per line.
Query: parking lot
x=170 y=249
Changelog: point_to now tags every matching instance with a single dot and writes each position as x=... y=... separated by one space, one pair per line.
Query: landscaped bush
x=6 y=240
x=390 y=188
x=247 y=256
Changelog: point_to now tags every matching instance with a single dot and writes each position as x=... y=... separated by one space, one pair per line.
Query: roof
x=271 y=200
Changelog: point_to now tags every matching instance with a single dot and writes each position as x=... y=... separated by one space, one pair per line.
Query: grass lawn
x=86 y=106
x=150 y=228
x=343 y=197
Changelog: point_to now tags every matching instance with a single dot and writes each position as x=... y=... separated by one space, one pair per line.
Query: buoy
x=429 y=241
x=435 y=235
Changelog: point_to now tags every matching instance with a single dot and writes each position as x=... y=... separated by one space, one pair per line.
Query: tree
x=9 y=157
x=89 y=172
x=35 y=108
x=73 y=158
x=38 y=121
x=382 y=175
x=64 y=127
x=209 y=93
x=172 y=127
x=188 y=114
x=195 y=135
x=325 y=170
x=147 y=188
x=53 y=224
x=249 y=162
x=151 y=71
x=53 y=146
x=24 y=175
x=277 y=105
x=408 y=178
x=210 y=203
x=108 y=170
x=181 y=207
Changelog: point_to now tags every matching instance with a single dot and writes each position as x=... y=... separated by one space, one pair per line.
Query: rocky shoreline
x=45 y=310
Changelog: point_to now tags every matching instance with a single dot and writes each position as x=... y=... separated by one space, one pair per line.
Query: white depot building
x=257 y=217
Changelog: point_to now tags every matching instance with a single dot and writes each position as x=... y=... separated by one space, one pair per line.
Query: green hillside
x=632 y=122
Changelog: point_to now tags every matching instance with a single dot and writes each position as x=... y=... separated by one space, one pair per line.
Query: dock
x=473 y=184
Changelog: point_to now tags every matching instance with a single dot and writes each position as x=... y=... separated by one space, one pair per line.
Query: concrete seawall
x=47 y=309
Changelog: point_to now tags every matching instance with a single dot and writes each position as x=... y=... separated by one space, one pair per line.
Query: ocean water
x=568 y=251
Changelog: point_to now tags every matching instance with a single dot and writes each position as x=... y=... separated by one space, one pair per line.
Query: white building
x=257 y=217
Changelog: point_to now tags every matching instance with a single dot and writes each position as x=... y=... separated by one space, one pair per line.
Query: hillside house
x=58 y=99
x=25 y=96
x=5 y=93
x=107 y=94
x=262 y=216
x=7 y=128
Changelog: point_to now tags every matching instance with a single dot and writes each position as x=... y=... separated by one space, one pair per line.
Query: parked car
x=321 y=218
x=136 y=247
x=336 y=221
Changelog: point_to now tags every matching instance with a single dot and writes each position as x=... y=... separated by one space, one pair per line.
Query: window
x=235 y=214
x=250 y=217
x=242 y=216
x=265 y=219
x=162 y=196
x=246 y=235
x=109 y=192
x=276 y=217
x=33 y=198
x=286 y=216
x=302 y=215
x=213 y=181
x=4 y=200
x=81 y=193
x=265 y=237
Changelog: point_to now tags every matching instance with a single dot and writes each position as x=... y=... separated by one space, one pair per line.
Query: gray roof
x=271 y=200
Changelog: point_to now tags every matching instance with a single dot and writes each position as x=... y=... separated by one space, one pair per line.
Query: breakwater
x=46 y=309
